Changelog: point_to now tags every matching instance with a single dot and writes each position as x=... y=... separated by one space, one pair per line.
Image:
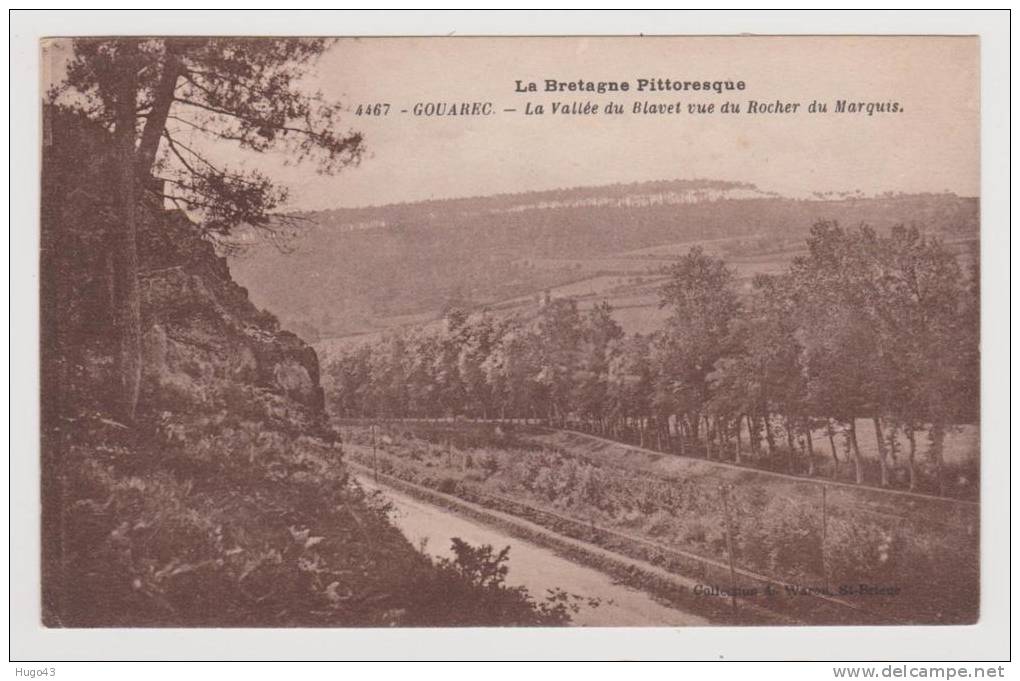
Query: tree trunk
x=129 y=318
x=754 y=435
x=883 y=461
x=911 y=470
x=792 y=448
x=938 y=439
x=736 y=456
x=855 y=450
x=893 y=445
x=770 y=437
x=810 y=448
x=832 y=445
x=723 y=432
x=155 y=122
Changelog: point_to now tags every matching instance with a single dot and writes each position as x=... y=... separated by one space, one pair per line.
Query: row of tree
x=864 y=326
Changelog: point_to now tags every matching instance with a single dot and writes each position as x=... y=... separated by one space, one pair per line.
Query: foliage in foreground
x=226 y=501
x=218 y=522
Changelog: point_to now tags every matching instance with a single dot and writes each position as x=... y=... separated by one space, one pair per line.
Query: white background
x=987 y=640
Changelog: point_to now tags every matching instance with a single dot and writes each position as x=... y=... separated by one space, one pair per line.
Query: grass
x=962 y=455
x=926 y=549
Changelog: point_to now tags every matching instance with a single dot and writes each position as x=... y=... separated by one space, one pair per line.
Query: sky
x=932 y=145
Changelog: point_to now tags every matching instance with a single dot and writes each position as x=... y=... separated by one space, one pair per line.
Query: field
x=903 y=557
x=962 y=454
x=361 y=271
x=629 y=282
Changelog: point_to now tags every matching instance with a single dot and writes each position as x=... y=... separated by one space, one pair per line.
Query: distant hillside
x=358 y=270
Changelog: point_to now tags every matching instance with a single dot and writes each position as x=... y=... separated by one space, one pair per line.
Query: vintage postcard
x=510 y=331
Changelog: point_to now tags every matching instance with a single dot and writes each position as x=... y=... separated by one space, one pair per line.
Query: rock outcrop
x=201 y=330
x=202 y=336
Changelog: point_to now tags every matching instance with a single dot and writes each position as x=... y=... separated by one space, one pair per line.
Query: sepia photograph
x=462 y=332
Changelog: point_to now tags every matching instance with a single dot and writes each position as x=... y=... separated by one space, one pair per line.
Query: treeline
x=332 y=282
x=341 y=217
x=865 y=326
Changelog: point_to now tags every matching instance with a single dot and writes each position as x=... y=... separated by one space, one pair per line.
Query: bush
x=783 y=538
x=470 y=590
x=448 y=485
x=856 y=552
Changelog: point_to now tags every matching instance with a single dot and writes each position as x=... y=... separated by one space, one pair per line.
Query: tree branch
x=173 y=149
x=208 y=131
x=250 y=121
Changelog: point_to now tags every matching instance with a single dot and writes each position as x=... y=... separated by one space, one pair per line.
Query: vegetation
x=924 y=549
x=374 y=266
x=190 y=476
x=237 y=90
x=223 y=500
x=862 y=327
x=221 y=522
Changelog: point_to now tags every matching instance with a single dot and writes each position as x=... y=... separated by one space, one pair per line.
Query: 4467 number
x=380 y=109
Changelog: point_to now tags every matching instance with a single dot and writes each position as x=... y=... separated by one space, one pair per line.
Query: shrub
x=861 y=551
x=782 y=538
x=470 y=590
x=448 y=485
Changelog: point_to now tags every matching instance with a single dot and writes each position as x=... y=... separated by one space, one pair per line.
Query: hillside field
x=356 y=272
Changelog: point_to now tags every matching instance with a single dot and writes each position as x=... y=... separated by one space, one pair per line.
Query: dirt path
x=532 y=566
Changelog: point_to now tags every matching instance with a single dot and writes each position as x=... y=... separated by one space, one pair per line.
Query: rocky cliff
x=227 y=502
x=202 y=334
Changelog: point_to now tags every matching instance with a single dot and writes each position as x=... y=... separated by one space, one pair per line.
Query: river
x=534 y=567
